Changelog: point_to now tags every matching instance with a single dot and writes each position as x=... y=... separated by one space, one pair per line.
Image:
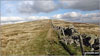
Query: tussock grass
x=32 y=38
x=38 y=38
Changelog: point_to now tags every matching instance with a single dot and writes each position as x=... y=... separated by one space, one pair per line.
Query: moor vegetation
x=38 y=38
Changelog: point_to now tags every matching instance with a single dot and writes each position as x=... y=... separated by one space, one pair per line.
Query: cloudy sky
x=16 y=11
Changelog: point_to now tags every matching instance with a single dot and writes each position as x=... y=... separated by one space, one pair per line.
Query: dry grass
x=37 y=37
x=30 y=38
x=81 y=27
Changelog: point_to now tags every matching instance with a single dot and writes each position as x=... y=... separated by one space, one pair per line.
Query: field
x=38 y=37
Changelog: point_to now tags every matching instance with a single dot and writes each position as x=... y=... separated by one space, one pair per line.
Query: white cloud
x=78 y=17
x=68 y=16
x=58 y=16
x=91 y=17
x=36 y=18
x=71 y=16
x=12 y=20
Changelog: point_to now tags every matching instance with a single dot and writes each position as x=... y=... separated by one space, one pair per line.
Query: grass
x=36 y=38
x=81 y=27
x=31 y=40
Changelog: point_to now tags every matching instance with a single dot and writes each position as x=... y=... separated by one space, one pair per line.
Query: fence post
x=81 y=45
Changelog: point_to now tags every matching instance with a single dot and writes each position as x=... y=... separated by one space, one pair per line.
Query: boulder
x=86 y=41
x=96 y=44
x=70 y=31
x=91 y=41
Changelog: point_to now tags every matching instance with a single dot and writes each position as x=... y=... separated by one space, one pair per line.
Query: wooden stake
x=81 y=45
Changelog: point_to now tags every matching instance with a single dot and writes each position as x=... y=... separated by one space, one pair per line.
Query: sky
x=17 y=11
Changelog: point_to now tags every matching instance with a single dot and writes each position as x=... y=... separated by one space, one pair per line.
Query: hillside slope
x=37 y=37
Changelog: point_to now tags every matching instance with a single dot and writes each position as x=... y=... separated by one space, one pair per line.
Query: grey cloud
x=37 y=6
x=85 y=5
x=31 y=7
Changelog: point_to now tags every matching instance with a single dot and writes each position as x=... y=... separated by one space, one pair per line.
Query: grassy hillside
x=37 y=37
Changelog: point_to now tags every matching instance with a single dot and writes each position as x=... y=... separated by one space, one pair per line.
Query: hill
x=39 y=38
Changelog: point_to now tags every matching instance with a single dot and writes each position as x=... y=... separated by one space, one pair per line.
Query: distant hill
x=97 y=23
x=38 y=37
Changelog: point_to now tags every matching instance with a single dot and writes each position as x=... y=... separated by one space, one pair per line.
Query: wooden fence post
x=81 y=45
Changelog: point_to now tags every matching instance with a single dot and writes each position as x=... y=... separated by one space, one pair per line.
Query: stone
x=70 y=30
x=70 y=35
x=77 y=42
x=96 y=44
x=91 y=41
x=75 y=36
x=84 y=35
x=69 y=41
x=86 y=41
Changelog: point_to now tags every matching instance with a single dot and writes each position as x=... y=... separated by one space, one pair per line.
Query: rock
x=61 y=31
x=96 y=44
x=91 y=41
x=70 y=31
x=86 y=41
x=75 y=36
x=84 y=35
x=70 y=35
x=77 y=42
x=69 y=41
